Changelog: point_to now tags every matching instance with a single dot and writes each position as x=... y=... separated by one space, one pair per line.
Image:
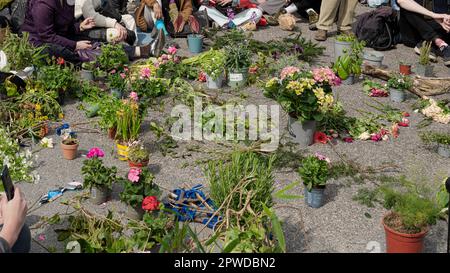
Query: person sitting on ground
x=52 y=23
x=344 y=10
x=110 y=24
x=15 y=235
x=306 y=8
x=233 y=13
x=423 y=20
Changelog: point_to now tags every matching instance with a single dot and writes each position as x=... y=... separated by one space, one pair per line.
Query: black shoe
x=445 y=54
x=432 y=56
x=131 y=37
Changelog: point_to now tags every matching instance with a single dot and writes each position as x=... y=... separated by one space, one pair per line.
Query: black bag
x=18 y=9
x=378 y=28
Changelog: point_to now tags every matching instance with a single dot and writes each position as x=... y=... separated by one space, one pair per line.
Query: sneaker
x=313 y=16
x=445 y=54
x=272 y=20
x=321 y=35
x=432 y=56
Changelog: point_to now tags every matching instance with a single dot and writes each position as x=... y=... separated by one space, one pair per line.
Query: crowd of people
x=68 y=27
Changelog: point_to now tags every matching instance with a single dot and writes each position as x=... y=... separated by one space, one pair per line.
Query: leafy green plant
x=21 y=53
x=424 y=57
x=346 y=38
x=35 y=94
x=113 y=56
x=137 y=153
x=117 y=79
x=134 y=191
x=90 y=66
x=56 y=78
x=128 y=121
x=97 y=175
x=238 y=57
x=435 y=137
x=215 y=66
x=150 y=88
x=350 y=63
x=314 y=172
x=400 y=82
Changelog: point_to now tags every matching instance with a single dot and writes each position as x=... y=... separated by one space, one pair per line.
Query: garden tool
x=52 y=195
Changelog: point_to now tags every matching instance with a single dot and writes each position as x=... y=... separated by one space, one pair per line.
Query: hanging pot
x=302 y=132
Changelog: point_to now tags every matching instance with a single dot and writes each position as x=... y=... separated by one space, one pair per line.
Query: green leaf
x=281 y=194
x=277 y=228
x=231 y=245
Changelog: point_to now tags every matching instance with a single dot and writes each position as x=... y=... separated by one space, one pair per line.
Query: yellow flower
x=320 y=94
x=61 y=115
x=296 y=87
x=271 y=82
x=37 y=107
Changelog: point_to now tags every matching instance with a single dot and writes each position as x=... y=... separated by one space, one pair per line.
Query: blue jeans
x=23 y=243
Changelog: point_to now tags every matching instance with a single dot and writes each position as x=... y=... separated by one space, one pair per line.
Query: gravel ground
x=341 y=225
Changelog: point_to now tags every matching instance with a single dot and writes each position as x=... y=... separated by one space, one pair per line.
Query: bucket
x=302 y=133
x=87 y=75
x=341 y=48
x=397 y=95
x=314 y=198
x=349 y=81
x=195 y=43
x=237 y=78
x=214 y=83
x=122 y=152
x=100 y=195
x=444 y=150
x=373 y=58
x=424 y=70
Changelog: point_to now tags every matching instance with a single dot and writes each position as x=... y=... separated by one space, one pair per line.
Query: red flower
x=202 y=77
x=405 y=114
x=403 y=124
x=394 y=130
x=320 y=137
x=60 y=61
x=253 y=70
x=150 y=203
x=348 y=139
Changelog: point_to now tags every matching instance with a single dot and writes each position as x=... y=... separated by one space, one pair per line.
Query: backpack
x=378 y=28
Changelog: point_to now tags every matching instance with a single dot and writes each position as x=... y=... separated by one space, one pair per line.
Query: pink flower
x=326 y=75
x=41 y=237
x=378 y=93
x=288 y=70
x=376 y=137
x=164 y=57
x=123 y=75
x=113 y=71
x=202 y=77
x=95 y=152
x=134 y=96
x=125 y=69
x=133 y=174
x=145 y=72
x=394 y=130
x=322 y=157
x=405 y=114
x=172 y=50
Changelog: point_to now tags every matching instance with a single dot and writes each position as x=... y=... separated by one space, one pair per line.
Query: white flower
x=47 y=142
x=385 y=137
x=364 y=136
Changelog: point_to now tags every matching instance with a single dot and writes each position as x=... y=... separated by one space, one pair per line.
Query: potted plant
x=404 y=68
x=128 y=121
x=109 y=106
x=348 y=65
x=97 y=177
x=305 y=96
x=21 y=54
x=57 y=77
x=314 y=173
x=117 y=82
x=138 y=156
x=442 y=140
x=87 y=71
x=113 y=56
x=69 y=142
x=238 y=60
x=397 y=84
x=138 y=185
x=407 y=223
x=214 y=68
x=423 y=67
x=343 y=45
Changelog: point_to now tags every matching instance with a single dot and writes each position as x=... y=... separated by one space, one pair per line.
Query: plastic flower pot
x=87 y=75
x=373 y=58
x=122 y=152
x=315 y=197
x=195 y=43
x=302 y=132
x=100 y=195
x=139 y=165
x=397 y=242
x=444 y=150
x=214 y=83
x=237 y=78
x=134 y=213
x=112 y=132
x=397 y=95
x=116 y=93
x=424 y=70
x=349 y=81
x=404 y=69
x=69 y=151
x=341 y=48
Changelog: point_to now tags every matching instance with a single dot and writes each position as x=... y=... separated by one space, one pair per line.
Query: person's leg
x=346 y=15
x=246 y=15
x=328 y=12
x=424 y=29
x=60 y=51
x=304 y=5
x=23 y=243
x=215 y=15
x=271 y=7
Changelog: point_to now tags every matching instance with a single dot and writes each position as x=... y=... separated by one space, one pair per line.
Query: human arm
x=88 y=10
x=13 y=215
x=413 y=6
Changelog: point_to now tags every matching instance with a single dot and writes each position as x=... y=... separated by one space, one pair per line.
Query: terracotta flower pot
x=139 y=165
x=405 y=69
x=112 y=132
x=397 y=242
x=69 y=151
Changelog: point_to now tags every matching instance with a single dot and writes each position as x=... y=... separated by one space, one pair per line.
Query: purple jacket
x=49 y=22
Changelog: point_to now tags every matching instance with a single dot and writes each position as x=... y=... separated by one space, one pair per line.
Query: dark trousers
x=23 y=243
x=415 y=28
x=55 y=50
x=303 y=5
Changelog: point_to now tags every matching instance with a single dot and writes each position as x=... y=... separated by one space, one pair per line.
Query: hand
x=158 y=11
x=88 y=23
x=13 y=214
x=223 y=2
x=122 y=32
x=83 y=45
x=443 y=20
